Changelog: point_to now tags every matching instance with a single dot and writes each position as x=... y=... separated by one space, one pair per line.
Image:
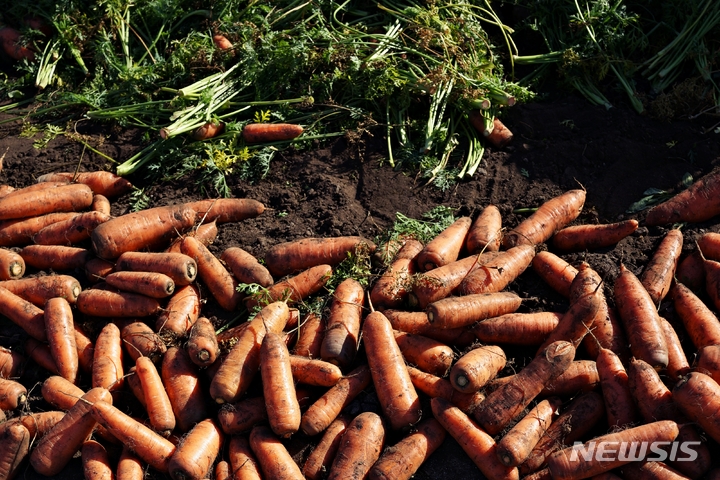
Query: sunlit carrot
x=476 y=367
x=24 y=314
x=660 y=271
x=270 y=132
x=678 y=365
x=12 y=265
x=516 y=445
x=182 y=383
x=579 y=377
x=417 y=323
x=245 y=267
x=455 y=312
x=427 y=354
x=196 y=454
x=342 y=333
x=293 y=289
x=38 y=290
x=290 y=257
x=108 y=367
x=140 y=340
x=434 y=386
x=498 y=273
x=72 y=231
x=274 y=459
x=615 y=388
x=310 y=336
x=393 y=287
x=278 y=388
x=592 y=236
x=517 y=328
x=556 y=272
x=241 y=417
x=202 y=344
x=60 y=333
x=324 y=452
x=485 y=232
x=14 y=447
x=181 y=311
x=445 y=247
x=360 y=447
x=700 y=322
x=100 y=182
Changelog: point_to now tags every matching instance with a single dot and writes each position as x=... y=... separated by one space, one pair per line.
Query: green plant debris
x=656 y=196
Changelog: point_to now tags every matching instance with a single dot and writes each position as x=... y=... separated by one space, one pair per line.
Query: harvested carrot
x=325 y=451
x=485 y=232
x=455 y=312
x=151 y=284
x=314 y=372
x=40 y=354
x=100 y=182
x=107 y=370
x=517 y=328
x=11 y=363
x=182 y=269
x=678 y=365
x=550 y=217
x=213 y=274
x=660 y=271
x=691 y=271
x=479 y=446
x=146 y=444
x=21 y=231
x=129 y=466
x=101 y=204
x=477 y=367
x=393 y=287
x=60 y=393
x=310 y=336
x=700 y=322
x=85 y=349
x=427 y=354
x=708 y=361
x=157 y=402
x=205 y=233
x=208 y=130
x=106 y=303
x=55 y=257
x=648 y=470
x=498 y=273
x=516 y=445
x=222 y=43
x=243 y=464
x=12 y=44
x=327 y=408
x=38 y=290
x=340 y=342
x=564 y=465
x=23 y=313
x=181 y=312
x=12 y=265
x=396 y=393
x=14 y=447
x=615 y=386
x=182 y=383
x=6 y=189
x=504 y=404
x=96 y=461
x=272 y=456
x=196 y=454
x=592 y=237
x=556 y=272
x=65 y=198
x=240 y=417
x=140 y=340
x=579 y=377
x=500 y=135
x=72 y=231
x=697 y=396
x=224 y=210
x=359 y=448
x=12 y=394
x=434 y=386
x=699 y=202
x=445 y=247
x=278 y=388
x=245 y=267
x=293 y=289
x=270 y=132
x=96 y=269
x=417 y=323
x=202 y=343
x=290 y=257
x=38 y=424
x=60 y=333
x=709 y=244
x=712 y=280
x=641 y=320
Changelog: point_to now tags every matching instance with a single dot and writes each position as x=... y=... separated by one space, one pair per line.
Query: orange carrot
x=65 y=198
x=697 y=396
x=38 y=290
x=202 y=343
x=550 y=217
x=564 y=465
x=224 y=210
x=156 y=397
x=477 y=367
x=85 y=349
x=712 y=280
x=55 y=257
x=343 y=324
x=434 y=386
x=182 y=382
x=504 y=404
x=146 y=444
x=427 y=354
x=708 y=361
x=272 y=456
x=325 y=451
x=641 y=320
x=11 y=363
x=107 y=369
x=61 y=337
x=278 y=387
x=221 y=284
x=12 y=394
x=648 y=470
x=327 y=408
x=359 y=448
x=293 y=289
x=71 y=231
x=310 y=336
x=101 y=204
x=14 y=447
x=485 y=232
x=556 y=272
x=240 y=417
x=140 y=340
x=196 y=454
x=314 y=372
x=6 y=189
x=208 y=130
x=38 y=424
x=659 y=272
x=691 y=271
x=393 y=287
x=417 y=323
x=479 y=446
x=100 y=182
x=496 y=274
x=454 y=312
x=151 y=284
x=181 y=312
x=206 y=233
x=96 y=461
x=129 y=466
x=12 y=265
x=23 y=313
x=180 y=268
x=615 y=386
x=289 y=257
x=40 y=354
x=106 y=303
x=678 y=365
x=579 y=377
x=243 y=464
x=516 y=445
x=222 y=43
x=700 y=322
x=699 y=202
x=241 y=364
x=96 y=269
x=21 y=231
x=445 y=247
x=517 y=328
x=245 y=267
x=709 y=244
x=60 y=393
x=270 y=132
x=592 y=237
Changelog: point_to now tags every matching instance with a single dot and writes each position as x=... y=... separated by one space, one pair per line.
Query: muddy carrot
x=38 y=424
x=240 y=417
x=151 y=284
x=556 y=272
x=206 y=233
x=129 y=466
x=106 y=303
x=343 y=324
x=101 y=204
x=66 y=198
x=85 y=348
x=272 y=456
x=649 y=470
x=485 y=232
x=592 y=237
x=213 y=274
x=270 y=132
x=24 y=314
x=477 y=367
x=427 y=354
x=278 y=387
x=202 y=345
x=96 y=461
x=196 y=454
x=417 y=323
x=11 y=363
x=691 y=271
x=359 y=448
x=72 y=231
x=108 y=369
x=245 y=267
x=12 y=265
x=498 y=273
x=100 y=182
x=55 y=257
x=697 y=395
x=678 y=364
x=181 y=311
x=157 y=402
x=12 y=394
x=60 y=393
x=517 y=328
x=434 y=386
x=445 y=247
x=403 y=459
x=325 y=451
x=40 y=354
x=38 y=290
x=455 y=312
x=700 y=322
x=290 y=257
x=96 y=269
x=21 y=231
x=708 y=361
x=310 y=336
x=516 y=445
x=660 y=271
x=182 y=269
x=182 y=383
x=393 y=287
x=61 y=337
x=140 y=340
x=14 y=447
x=314 y=372
x=243 y=464
x=697 y=203
x=615 y=387
x=293 y=289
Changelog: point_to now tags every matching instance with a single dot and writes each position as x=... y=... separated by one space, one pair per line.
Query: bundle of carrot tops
x=157 y=385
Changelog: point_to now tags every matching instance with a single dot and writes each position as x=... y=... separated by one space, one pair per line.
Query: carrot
x=72 y=231
x=151 y=284
x=55 y=257
x=245 y=267
x=222 y=43
x=205 y=233
x=326 y=409
x=556 y=272
x=106 y=303
x=485 y=232
x=504 y=404
x=55 y=450
x=310 y=336
x=581 y=376
x=478 y=445
x=21 y=231
x=243 y=464
x=290 y=257
x=500 y=135
x=648 y=470
x=23 y=313
x=709 y=244
x=12 y=394
x=708 y=361
x=96 y=269
x=146 y=229
x=218 y=280
x=242 y=416
x=6 y=189
x=712 y=280
x=677 y=361
x=140 y=340
x=61 y=337
x=455 y=312
x=157 y=402
x=85 y=349
x=564 y=465
x=224 y=210
x=700 y=322
x=396 y=393
x=615 y=387
x=146 y=444
x=659 y=272
x=314 y=372
x=408 y=249
x=498 y=273
x=270 y=132
x=65 y=198
x=429 y=355
x=272 y=456
x=96 y=462
x=393 y=286
x=182 y=383
x=182 y=269
x=129 y=466
x=100 y=182
x=359 y=448
x=476 y=367
x=60 y=393
x=11 y=363
x=699 y=202
x=181 y=312
x=440 y=282
x=38 y=290
x=293 y=289
x=697 y=396
x=107 y=371
x=517 y=444
x=14 y=447
x=12 y=265
x=278 y=387
x=544 y=474
x=417 y=323
x=343 y=324
x=197 y=451
x=517 y=328
x=445 y=247
x=592 y=237
x=208 y=130
x=234 y=375
x=202 y=343
x=691 y=271
x=434 y=386
x=101 y=204
x=325 y=451
x=40 y=354
x=641 y=320
x=550 y=217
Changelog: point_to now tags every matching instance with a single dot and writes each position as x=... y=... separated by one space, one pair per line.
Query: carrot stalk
x=455 y=312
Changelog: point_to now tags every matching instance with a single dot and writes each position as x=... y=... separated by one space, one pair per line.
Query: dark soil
x=345 y=188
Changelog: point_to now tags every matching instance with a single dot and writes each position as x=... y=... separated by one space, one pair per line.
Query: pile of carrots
x=153 y=385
